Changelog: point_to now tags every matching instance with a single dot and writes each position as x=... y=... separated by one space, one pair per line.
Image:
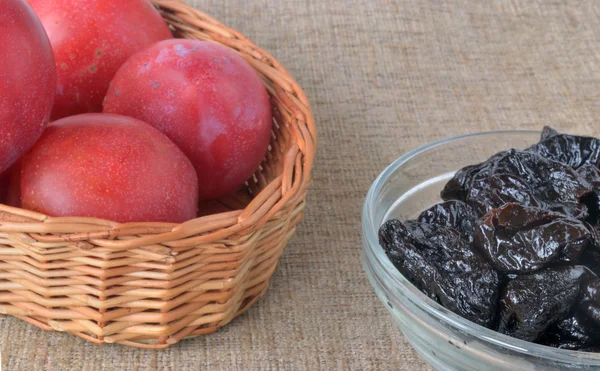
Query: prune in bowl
x=445 y=339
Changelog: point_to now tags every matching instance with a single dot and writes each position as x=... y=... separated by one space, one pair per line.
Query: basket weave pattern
x=152 y=284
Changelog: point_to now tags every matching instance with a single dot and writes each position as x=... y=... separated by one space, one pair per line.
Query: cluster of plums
x=104 y=114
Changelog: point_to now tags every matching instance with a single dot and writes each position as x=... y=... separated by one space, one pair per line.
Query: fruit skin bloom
x=91 y=39
x=27 y=80
x=110 y=167
x=206 y=99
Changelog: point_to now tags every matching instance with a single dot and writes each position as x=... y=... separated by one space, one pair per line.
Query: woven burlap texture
x=383 y=77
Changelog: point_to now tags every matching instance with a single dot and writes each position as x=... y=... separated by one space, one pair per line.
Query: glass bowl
x=444 y=339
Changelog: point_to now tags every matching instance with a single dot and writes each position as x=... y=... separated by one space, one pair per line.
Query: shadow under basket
x=153 y=284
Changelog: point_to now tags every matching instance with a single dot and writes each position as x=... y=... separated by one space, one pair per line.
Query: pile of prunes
x=515 y=247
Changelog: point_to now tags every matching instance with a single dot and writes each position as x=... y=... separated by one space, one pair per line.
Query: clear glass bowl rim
x=485 y=335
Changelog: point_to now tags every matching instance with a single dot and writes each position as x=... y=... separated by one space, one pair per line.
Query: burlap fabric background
x=383 y=77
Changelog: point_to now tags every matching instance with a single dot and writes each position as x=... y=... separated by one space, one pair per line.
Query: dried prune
x=458 y=187
x=590 y=302
x=592 y=201
x=455 y=214
x=591 y=259
x=516 y=244
x=522 y=177
x=591 y=174
x=574 y=332
x=554 y=185
x=444 y=267
x=548 y=132
x=490 y=191
x=532 y=303
x=521 y=239
x=572 y=150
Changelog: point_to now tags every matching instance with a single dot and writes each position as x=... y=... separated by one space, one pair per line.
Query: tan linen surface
x=383 y=77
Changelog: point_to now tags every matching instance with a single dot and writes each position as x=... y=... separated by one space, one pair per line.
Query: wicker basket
x=152 y=284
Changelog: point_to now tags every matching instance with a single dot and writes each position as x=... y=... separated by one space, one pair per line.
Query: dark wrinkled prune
x=525 y=225
x=532 y=303
x=548 y=132
x=590 y=303
x=455 y=214
x=574 y=332
x=521 y=239
x=551 y=184
x=444 y=267
x=591 y=259
x=490 y=191
x=458 y=187
x=572 y=150
x=592 y=175
x=522 y=177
